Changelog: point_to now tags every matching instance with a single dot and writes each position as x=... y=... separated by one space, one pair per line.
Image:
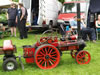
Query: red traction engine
x=46 y=52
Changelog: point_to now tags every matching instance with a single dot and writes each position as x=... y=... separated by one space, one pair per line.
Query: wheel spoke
x=50 y=62
x=84 y=54
x=45 y=64
x=42 y=53
x=46 y=51
x=79 y=57
x=53 y=57
x=53 y=52
x=40 y=61
x=81 y=54
x=81 y=61
x=50 y=51
x=86 y=58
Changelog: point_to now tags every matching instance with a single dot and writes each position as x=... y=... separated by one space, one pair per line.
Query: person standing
x=21 y=20
x=11 y=17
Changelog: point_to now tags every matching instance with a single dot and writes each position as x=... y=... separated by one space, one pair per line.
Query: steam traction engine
x=46 y=53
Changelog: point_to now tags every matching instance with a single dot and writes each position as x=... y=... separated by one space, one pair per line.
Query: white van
x=41 y=13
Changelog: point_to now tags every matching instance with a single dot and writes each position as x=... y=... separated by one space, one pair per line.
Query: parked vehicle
x=41 y=13
x=68 y=11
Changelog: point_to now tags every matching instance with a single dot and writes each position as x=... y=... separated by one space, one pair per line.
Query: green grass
x=67 y=65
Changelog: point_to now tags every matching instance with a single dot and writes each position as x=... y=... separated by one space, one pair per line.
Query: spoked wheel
x=47 y=56
x=83 y=57
x=73 y=53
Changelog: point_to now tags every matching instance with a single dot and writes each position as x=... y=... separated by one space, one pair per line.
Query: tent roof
x=5 y=3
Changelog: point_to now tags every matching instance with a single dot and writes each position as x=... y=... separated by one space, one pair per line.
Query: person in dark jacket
x=21 y=20
x=11 y=17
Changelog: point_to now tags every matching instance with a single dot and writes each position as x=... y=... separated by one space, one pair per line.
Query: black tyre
x=6 y=57
x=9 y=64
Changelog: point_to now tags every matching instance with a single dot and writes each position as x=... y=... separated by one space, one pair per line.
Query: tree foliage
x=15 y=0
x=62 y=1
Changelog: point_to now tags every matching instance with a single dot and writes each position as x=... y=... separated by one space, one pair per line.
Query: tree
x=15 y=0
x=62 y=1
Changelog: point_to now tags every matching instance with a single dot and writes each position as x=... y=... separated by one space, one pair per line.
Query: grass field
x=67 y=65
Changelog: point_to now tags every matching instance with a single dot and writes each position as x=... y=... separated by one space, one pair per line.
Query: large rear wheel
x=47 y=56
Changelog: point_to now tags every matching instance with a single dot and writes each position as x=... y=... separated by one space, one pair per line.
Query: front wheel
x=9 y=64
x=83 y=57
x=47 y=56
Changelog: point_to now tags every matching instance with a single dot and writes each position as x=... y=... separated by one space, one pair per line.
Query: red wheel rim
x=83 y=57
x=47 y=57
x=73 y=53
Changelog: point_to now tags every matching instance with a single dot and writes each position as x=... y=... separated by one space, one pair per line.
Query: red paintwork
x=37 y=44
x=83 y=57
x=8 y=46
x=29 y=60
x=67 y=16
x=55 y=44
x=29 y=54
x=64 y=46
x=73 y=37
x=73 y=47
x=47 y=57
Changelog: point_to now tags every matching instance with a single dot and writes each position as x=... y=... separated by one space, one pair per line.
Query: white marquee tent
x=5 y=3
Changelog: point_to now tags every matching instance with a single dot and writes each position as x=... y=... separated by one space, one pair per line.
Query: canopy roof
x=5 y=3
